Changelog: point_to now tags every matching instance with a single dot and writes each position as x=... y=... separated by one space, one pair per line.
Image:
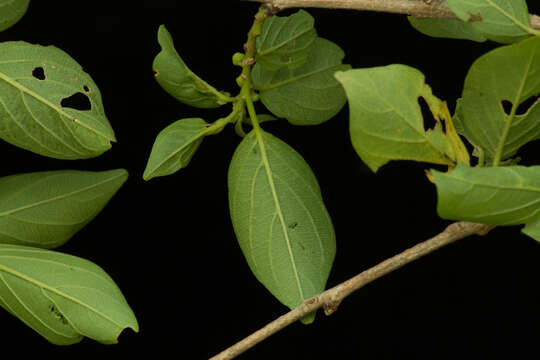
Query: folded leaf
x=386 y=121
x=175 y=77
x=11 y=11
x=286 y=41
x=49 y=105
x=62 y=297
x=308 y=95
x=45 y=209
x=508 y=195
x=174 y=147
x=507 y=74
x=280 y=219
x=446 y=28
x=504 y=21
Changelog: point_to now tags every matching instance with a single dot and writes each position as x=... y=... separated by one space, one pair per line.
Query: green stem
x=502 y=142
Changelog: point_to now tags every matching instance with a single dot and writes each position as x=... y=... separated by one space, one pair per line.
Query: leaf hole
x=86 y=88
x=77 y=101
x=429 y=120
x=293 y=225
x=38 y=73
x=522 y=109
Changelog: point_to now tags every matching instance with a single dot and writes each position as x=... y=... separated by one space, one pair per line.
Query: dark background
x=169 y=243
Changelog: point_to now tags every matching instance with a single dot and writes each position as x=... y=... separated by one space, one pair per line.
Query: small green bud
x=237 y=59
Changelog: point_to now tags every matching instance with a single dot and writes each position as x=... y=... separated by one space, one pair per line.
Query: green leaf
x=175 y=146
x=11 y=11
x=446 y=28
x=286 y=41
x=504 y=21
x=175 y=77
x=308 y=95
x=510 y=73
x=508 y=195
x=386 y=121
x=45 y=209
x=62 y=297
x=37 y=84
x=280 y=219
x=532 y=230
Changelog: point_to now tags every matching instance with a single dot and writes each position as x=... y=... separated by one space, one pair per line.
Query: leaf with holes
x=37 y=87
x=175 y=146
x=507 y=75
x=45 y=209
x=175 y=77
x=386 y=120
x=446 y=28
x=286 y=41
x=508 y=195
x=11 y=11
x=504 y=21
x=308 y=95
x=280 y=219
x=62 y=297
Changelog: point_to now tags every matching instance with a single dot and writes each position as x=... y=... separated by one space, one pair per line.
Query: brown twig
x=417 y=8
x=331 y=298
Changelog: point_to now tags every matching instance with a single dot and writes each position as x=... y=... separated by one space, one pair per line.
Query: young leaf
x=49 y=105
x=11 y=11
x=506 y=74
x=446 y=28
x=174 y=147
x=286 y=41
x=308 y=95
x=508 y=195
x=175 y=77
x=280 y=219
x=62 y=297
x=386 y=120
x=45 y=209
x=504 y=21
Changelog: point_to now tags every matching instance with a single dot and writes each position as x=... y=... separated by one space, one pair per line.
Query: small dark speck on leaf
x=86 y=88
x=475 y=17
x=255 y=151
x=293 y=225
x=38 y=73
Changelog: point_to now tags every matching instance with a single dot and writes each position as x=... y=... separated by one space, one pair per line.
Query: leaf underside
x=446 y=28
x=11 y=11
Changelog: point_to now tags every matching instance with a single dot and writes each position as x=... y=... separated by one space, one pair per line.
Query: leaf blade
x=446 y=28
x=11 y=11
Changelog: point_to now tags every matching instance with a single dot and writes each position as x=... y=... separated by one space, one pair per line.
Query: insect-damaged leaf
x=11 y=11
x=446 y=28
x=175 y=146
x=36 y=86
x=280 y=219
x=308 y=95
x=175 y=77
x=62 y=297
x=286 y=41
x=503 y=195
x=45 y=209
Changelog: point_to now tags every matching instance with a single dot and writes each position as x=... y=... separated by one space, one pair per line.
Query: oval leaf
x=507 y=74
x=62 y=297
x=11 y=11
x=45 y=209
x=386 y=121
x=504 y=21
x=308 y=95
x=508 y=195
x=174 y=147
x=286 y=41
x=175 y=77
x=49 y=105
x=280 y=219
x=446 y=28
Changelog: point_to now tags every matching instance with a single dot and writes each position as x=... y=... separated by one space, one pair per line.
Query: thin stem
x=331 y=298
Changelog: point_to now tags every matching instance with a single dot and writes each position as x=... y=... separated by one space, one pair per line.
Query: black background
x=169 y=243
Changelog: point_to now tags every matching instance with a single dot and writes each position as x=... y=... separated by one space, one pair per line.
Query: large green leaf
x=446 y=28
x=504 y=21
x=11 y=11
x=286 y=41
x=507 y=195
x=175 y=146
x=62 y=297
x=45 y=209
x=37 y=85
x=280 y=219
x=386 y=121
x=510 y=73
x=175 y=77
x=308 y=95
